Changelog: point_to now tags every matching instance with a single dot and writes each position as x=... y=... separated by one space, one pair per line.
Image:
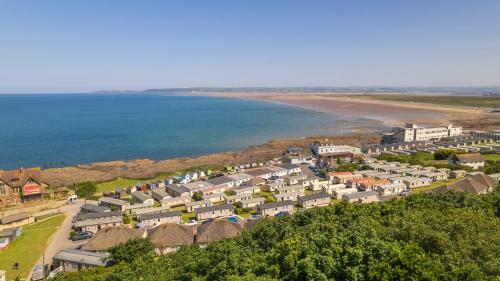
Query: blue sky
x=75 y=46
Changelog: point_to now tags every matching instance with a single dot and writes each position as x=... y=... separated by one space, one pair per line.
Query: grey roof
x=178 y=188
x=82 y=257
x=275 y=204
x=160 y=192
x=259 y=172
x=473 y=157
x=9 y=232
x=141 y=195
x=314 y=196
x=361 y=194
x=94 y=208
x=289 y=166
x=214 y=208
x=160 y=215
x=91 y=216
x=220 y=180
x=14 y=218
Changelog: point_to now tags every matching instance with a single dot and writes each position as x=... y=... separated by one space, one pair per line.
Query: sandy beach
x=392 y=113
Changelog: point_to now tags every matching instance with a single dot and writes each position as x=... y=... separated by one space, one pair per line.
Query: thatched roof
x=479 y=183
x=472 y=157
x=171 y=235
x=217 y=230
x=112 y=236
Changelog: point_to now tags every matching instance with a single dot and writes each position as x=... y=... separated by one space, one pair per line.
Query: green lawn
x=126 y=182
x=492 y=157
x=476 y=101
x=27 y=249
x=433 y=185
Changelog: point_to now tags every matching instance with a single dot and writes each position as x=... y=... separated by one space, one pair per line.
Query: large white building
x=331 y=149
x=411 y=132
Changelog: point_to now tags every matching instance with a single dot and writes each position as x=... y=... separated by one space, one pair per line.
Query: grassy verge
x=27 y=249
x=434 y=185
x=492 y=157
x=126 y=182
x=476 y=101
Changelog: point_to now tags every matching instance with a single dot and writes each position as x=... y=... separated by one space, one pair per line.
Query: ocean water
x=54 y=130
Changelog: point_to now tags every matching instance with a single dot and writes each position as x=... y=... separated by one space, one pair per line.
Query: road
x=60 y=239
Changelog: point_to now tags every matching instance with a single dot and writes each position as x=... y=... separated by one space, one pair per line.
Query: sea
x=58 y=130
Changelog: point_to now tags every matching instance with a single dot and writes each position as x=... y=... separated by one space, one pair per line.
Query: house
x=252 y=202
x=155 y=219
x=373 y=184
x=330 y=189
x=191 y=206
x=4 y=242
x=16 y=220
x=271 y=209
x=197 y=185
x=247 y=190
x=260 y=173
x=443 y=170
x=288 y=196
x=399 y=179
x=94 y=222
x=496 y=176
x=416 y=182
x=231 y=199
x=473 y=160
x=314 y=200
x=357 y=182
x=222 y=182
x=330 y=149
x=73 y=260
x=291 y=168
x=215 y=197
x=91 y=208
x=290 y=189
x=112 y=236
x=361 y=197
x=10 y=234
x=458 y=173
x=390 y=189
x=177 y=190
x=149 y=210
x=217 y=230
x=478 y=184
x=435 y=176
x=341 y=192
x=176 y=201
x=272 y=186
x=342 y=177
x=297 y=159
x=240 y=178
x=169 y=237
x=278 y=171
x=217 y=211
x=22 y=185
x=143 y=198
x=319 y=185
x=291 y=180
x=114 y=203
x=160 y=194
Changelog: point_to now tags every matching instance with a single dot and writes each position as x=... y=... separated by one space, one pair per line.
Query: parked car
x=82 y=236
x=254 y=217
x=232 y=219
x=405 y=192
x=280 y=214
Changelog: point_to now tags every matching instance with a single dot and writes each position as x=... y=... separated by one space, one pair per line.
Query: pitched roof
x=361 y=194
x=217 y=230
x=479 y=183
x=214 y=208
x=171 y=235
x=141 y=195
x=112 y=236
x=113 y=201
x=16 y=178
x=472 y=157
x=159 y=215
x=259 y=172
x=94 y=208
x=275 y=204
x=177 y=188
x=289 y=166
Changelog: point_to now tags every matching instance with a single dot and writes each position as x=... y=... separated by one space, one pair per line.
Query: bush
x=197 y=196
x=126 y=219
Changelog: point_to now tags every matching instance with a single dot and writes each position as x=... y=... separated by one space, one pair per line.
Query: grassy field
x=477 y=101
x=433 y=185
x=27 y=249
x=126 y=182
x=492 y=157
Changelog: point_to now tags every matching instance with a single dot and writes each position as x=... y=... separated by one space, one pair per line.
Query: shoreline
x=147 y=168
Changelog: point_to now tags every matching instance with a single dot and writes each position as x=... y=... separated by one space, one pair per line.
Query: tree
x=197 y=196
x=130 y=251
x=85 y=189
